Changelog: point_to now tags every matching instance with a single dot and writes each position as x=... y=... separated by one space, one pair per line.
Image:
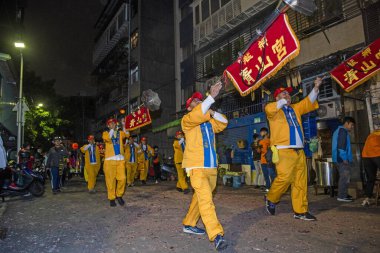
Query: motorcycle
x=18 y=180
x=168 y=169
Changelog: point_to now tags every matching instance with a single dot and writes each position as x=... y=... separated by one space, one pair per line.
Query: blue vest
x=340 y=155
x=208 y=145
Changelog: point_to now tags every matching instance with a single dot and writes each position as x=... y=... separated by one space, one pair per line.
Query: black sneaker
x=271 y=207
x=186 y=191
x=304 y=216
x=143 y=182
x=220 y=243
x=112 y=203
x=179 y=189
x=120 y=200
x=346 y=199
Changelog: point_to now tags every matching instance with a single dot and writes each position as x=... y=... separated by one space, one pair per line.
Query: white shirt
x=281 y=103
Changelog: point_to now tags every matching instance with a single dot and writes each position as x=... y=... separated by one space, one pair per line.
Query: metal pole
x=129 y=54
x=20 y=106
x=369 y=110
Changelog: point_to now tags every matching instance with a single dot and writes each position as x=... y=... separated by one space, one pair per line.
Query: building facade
x=134 y=52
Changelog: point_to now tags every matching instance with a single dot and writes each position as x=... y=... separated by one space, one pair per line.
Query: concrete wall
x=157 y=64
x=341 y=36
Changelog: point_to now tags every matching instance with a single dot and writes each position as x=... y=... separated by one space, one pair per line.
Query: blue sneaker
x=271 y=207
x=193 y=230
x=220 y=243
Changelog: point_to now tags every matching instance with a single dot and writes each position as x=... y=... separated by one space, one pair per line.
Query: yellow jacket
x=200 y=130
x=142 y=156
x=178 y=152
x=279 y=128
x=87 y=156
x=127 y=153
x=109 y=146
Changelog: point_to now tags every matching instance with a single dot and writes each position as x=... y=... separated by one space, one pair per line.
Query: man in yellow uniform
x=92 y=162
x=130 y=156
x=287 y=135
x=179 y=148
x=114 y=165
x=200 y=160
x=145 y=151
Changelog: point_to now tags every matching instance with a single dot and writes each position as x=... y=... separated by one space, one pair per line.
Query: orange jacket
x=372 y=145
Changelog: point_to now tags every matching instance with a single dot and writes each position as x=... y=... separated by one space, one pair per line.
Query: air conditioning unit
x=328 y=110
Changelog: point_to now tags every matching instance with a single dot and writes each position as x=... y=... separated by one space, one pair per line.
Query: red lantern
x=75 y=146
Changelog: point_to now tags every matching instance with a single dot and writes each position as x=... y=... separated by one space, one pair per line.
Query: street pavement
x=76 y=221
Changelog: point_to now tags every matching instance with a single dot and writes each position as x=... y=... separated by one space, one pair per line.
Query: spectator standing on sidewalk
x=342 y=157
x=56 y=156
x=157 y=164
x=267 y=166
x=259 y=178
x=371 y=162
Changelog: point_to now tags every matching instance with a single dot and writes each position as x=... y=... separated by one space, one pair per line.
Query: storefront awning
x=174 y=123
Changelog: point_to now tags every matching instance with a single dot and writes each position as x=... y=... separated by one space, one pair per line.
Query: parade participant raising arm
x=114 y=165
x=287 y=135
x=200 y=126
x=91 y=162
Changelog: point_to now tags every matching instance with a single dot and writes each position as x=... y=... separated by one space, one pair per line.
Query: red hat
x=197 y=95
x=111 y=120
x=279 y=90
x=178 y=133
x=90 y=137
x=143 y=138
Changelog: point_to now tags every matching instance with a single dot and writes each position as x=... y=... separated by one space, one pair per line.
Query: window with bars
x=205 y=9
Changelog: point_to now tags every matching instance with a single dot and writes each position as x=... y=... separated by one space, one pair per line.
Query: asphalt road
x=75 y=221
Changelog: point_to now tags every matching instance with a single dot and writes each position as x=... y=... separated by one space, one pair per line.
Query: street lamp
x=19 y=44
x=20 y=114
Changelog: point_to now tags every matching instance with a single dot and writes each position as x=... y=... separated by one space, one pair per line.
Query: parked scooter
x=168 y=169
x=19 y=181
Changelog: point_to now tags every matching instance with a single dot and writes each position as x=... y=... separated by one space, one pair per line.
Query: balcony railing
x=115 y=31
x=225 y=19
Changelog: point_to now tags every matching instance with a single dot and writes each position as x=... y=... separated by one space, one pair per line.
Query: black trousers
x=157 y=171
x=371 y=165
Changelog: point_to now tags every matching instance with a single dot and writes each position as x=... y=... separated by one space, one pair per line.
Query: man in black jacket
x=56 y=158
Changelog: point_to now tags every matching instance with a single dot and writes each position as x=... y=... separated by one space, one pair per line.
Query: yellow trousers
x=131 y=171
x=114 y=171
x=143 y=170
x=181 y=177
x=204 y=182
x=92 y=172
x=291 y=171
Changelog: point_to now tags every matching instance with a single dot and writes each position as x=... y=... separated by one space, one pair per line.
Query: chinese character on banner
x=138 y=119
x=264 y=57
x=358 y=68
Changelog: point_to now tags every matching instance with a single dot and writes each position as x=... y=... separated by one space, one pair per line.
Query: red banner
x=265 y=57
x=359 y=68
x=138 y=119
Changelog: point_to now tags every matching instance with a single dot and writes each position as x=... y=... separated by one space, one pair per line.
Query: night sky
x=60 y=38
